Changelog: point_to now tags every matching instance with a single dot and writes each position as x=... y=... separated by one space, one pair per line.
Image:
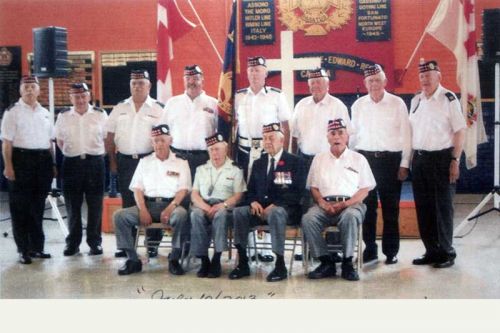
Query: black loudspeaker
x=50 y=49
x=491 y=35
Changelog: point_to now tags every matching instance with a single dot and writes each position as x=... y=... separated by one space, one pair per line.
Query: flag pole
x=400 y=79
x=206 y=32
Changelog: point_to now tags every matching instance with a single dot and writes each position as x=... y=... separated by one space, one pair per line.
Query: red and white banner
x=172 y=25
x=453 y=25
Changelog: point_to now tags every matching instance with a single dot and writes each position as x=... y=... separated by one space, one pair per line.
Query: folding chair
x=336 y=248
x=165 y=242
x=292 y=239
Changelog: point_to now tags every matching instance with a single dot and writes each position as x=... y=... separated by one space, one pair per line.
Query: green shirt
x=219 y=184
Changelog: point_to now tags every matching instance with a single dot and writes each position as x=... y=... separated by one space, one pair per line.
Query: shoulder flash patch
x=242 y=91
x=160 y=104
x=451 y=97
x=95 y=108
x=275 y=89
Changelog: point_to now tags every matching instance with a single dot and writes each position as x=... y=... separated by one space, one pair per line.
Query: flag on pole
x=227 y=82
x=453 y=25
x=172 y=25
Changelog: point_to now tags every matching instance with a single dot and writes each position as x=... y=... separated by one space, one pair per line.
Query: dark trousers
x=385 y=167
x=307 y=200
x=27 y=194
x=195 y=158
x=243 y=158
x=434 y=201
x=125 y=169
x=83 y=178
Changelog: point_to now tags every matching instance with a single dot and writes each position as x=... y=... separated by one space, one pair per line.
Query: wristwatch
x=225 y=205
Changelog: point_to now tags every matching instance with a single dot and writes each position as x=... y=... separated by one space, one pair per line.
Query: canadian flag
x=172 y=25
x=453 y=24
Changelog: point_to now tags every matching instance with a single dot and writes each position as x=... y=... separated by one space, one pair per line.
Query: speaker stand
x=495 y=192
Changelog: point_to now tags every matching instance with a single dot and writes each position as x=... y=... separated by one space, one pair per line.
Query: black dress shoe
x=130 y=267
x=277 y=274
x=298 y=257
x=266 y=258
x=239 y=272
x=120 y=254
x=24 y=258
x=424 y=260
x=175 y=268
x=203 y=272
x=95 y=250
x=215 y=270
x=70 y=251
x=152 y=252
x=40 y=255
x=348 y=272
x=369 y=256
x=323 y=271
x=391 y=260
x=444 y=264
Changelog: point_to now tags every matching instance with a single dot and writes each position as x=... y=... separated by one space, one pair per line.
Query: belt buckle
x=377 y=154
x=82 y=156
x=135 y=156
x=419 y=152
x=158 y=199
x=255 y=143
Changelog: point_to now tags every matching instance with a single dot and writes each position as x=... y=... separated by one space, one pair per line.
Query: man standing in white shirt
x=160 y=183
x=80 y=135
x=339 y=180
x=311 y=116
x=27 y=132
x=383 y=136
x=438 y=134
x=129 y=127
x=191 y=117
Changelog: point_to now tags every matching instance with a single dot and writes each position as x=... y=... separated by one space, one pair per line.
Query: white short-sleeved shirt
x=310 y=122
x=133 y=129
x=435 y=120
x=224 y=182
x=158 y=178
x=345 y=175
x=382 y=126
x=26 y=127
x=190 y=121
x=82 y=133
x=253 y=111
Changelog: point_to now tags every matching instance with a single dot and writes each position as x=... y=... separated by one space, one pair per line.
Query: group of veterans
x=174 y=168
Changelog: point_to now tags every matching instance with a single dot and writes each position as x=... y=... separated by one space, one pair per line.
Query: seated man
x=218 y=185
x=160 y=183
x=275 y=188
x=339 y=180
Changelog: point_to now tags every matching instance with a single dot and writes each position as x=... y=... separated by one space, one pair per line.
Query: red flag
x=172 y=25
x=453 y=25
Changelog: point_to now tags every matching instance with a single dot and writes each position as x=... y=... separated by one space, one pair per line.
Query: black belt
x=192 y=152
x=380 y=154
x=336 y=198
x=84 y=157
x=134 y=156
x=433 y=152
x=157 y=199
x=31 y=151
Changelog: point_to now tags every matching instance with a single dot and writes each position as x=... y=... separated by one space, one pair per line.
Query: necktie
x=270 y=171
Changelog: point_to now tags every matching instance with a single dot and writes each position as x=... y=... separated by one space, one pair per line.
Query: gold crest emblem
x=5 y=57
x=315 y=17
